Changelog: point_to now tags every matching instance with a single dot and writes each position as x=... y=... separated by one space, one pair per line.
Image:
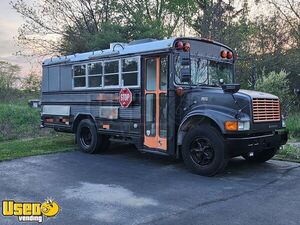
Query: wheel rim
x=85 y=137
x=202 y=152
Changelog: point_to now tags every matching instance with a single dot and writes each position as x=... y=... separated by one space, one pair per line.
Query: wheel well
x=192 y=122
x=80 y=118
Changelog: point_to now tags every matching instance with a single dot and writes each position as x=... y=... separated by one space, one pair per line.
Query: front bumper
x=236 y=146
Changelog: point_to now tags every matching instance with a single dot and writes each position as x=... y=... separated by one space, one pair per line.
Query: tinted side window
x=111 y=67
x=79 y=76
x=130 y=64
x=150 y=115
x=95 y=71
x=79 y=82
x=95 y=68
x=151 y=74
x=111 y=73
x=130 y=71
x=79 y=70
x=111 y=80
x=163 y=82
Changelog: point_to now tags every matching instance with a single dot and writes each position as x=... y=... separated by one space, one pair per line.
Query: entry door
x=155 y=101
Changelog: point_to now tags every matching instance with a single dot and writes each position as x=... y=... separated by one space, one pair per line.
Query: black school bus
x=175 y=97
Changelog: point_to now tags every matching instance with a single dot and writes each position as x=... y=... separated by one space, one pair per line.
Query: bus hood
x=257 y=94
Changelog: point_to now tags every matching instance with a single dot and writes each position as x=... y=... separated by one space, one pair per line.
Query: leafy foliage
x=31 y=83
x=82 y=25
x=267 y=42
x=293 y=125
x=17 y=121
x=289 y=152
x=277 y=84
x=9 y=77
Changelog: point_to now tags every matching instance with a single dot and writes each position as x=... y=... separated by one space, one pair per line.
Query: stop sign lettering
x=125 y=97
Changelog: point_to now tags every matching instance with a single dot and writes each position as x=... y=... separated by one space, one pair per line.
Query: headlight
x=283 y=122
x=237 y=125
x=244 y=125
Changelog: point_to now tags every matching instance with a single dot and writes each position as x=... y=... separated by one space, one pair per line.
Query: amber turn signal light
x=179 y=91
x=231 y=125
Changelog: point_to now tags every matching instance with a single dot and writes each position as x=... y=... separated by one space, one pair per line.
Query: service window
x=95 y=72
x=79 y=76
x=111 y=73
x=130 y=72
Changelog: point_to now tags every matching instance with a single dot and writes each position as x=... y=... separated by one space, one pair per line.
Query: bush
x=293 y=125
x=31 y=83
x=8 y=78
x=289 y=152
x=276 y=84
x=19 y=121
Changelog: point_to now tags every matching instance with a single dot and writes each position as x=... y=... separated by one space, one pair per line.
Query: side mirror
x=231 y=88
x=185 y=70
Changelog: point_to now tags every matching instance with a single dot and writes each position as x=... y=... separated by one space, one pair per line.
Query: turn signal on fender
x=231 y=125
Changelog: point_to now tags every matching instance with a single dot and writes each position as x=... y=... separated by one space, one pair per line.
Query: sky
x=10 y=21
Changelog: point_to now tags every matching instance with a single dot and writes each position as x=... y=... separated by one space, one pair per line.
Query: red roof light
x=224 y=54
x=179 y=45
x=186 y=46
x=229 y=55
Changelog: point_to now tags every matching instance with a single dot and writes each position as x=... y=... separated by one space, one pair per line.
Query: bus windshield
x=206 y=72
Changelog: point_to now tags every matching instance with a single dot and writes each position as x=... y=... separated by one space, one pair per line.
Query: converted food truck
x=174 y=97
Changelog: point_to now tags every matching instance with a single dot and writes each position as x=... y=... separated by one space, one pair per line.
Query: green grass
x=289 y=153
x=18 y=120
x=293 y=126
x=38 y=146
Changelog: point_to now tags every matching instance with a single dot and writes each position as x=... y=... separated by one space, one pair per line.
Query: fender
x=84 y=115
x=217 y=116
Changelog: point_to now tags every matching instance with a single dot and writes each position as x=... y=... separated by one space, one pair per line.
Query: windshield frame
x=207 y=80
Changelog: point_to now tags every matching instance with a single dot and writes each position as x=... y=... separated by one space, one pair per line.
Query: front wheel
x=261 y=156
x=203 y=151
x=88 y=139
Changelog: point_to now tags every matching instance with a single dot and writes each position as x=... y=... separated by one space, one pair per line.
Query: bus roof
x=120 y=49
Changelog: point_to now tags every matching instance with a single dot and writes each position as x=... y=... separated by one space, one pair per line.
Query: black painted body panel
x=210 y=102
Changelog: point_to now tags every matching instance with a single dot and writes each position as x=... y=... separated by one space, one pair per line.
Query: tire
x=262 y=156
x=88 y=139
x=203 y=151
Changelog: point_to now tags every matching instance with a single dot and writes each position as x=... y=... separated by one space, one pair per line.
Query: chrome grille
x=265 y=110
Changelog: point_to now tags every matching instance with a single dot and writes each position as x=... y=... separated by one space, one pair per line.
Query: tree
x=289 y=12
x=228 y=22
x=9 y=75
x=277 y=84
x=31 y=83
x=49 y=22
x=156 y=19
x=272 y=35
x=274 y=49
x=69 y=26
x=219 y=20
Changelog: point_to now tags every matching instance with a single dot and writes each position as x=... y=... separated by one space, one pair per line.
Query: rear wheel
x=88 y=139
x=262 y=156
x=203 y=151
